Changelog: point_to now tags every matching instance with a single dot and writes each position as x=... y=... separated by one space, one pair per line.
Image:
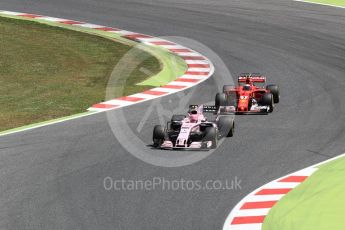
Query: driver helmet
x=246 y=87
x=193 y=116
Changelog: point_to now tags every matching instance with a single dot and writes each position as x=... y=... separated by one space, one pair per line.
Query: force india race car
x=193 y=131
x=248 y=97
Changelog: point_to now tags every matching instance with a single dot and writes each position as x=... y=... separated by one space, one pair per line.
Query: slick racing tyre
x=267 y=99
x=158 y=136
x=227 y=88
x=211 y=135
x=274 y=90
x=177 y=117
x=176 y=122
x=220 y=100
x=226 y=126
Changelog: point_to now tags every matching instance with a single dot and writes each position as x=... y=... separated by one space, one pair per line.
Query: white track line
x=52 y=19
x=91 y=26
x=323 y=4
x=160 y=89
x=253 y=212
x=247 y=227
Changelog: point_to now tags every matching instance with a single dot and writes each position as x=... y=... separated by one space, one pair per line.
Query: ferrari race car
x=193 y=131
x=248 y=97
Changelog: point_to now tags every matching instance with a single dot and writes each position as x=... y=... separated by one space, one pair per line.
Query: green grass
x=49 y=72
x=316 y=204
x=330 y=2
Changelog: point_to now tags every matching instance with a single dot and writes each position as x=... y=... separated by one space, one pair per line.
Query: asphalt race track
x=52 y=177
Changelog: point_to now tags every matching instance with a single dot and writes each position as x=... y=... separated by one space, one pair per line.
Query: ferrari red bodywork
x=248 y=97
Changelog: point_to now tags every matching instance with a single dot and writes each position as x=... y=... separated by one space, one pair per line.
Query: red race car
x=251 y=96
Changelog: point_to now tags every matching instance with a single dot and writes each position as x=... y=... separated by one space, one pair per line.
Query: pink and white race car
x=193 y=131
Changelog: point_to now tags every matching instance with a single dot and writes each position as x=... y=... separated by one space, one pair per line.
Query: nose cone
x=243 y=104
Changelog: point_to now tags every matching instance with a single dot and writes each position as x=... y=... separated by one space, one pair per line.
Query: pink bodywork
x=186 y=128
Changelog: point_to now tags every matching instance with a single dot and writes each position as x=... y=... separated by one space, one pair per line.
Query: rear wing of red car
x=204 y=108
x=254 y=78
x=209 y=109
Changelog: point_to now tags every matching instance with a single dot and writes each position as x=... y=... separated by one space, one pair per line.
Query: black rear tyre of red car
x=227 y=88
x=220 y=100
x=275 y=91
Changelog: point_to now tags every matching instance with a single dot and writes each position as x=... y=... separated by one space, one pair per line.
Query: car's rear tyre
x=220 y=100
x=176 y=121
x=227 y=88
x=267 y=99
x=177 y=117
x=211 y=135
x=232 y=99
x=274 y=90
x=226 y=126
x=232 y=130
x=158 y=136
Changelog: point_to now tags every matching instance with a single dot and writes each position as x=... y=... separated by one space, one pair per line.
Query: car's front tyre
x=267 y=100
x=158 y=136
x=211 y=135
x=226 y=126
